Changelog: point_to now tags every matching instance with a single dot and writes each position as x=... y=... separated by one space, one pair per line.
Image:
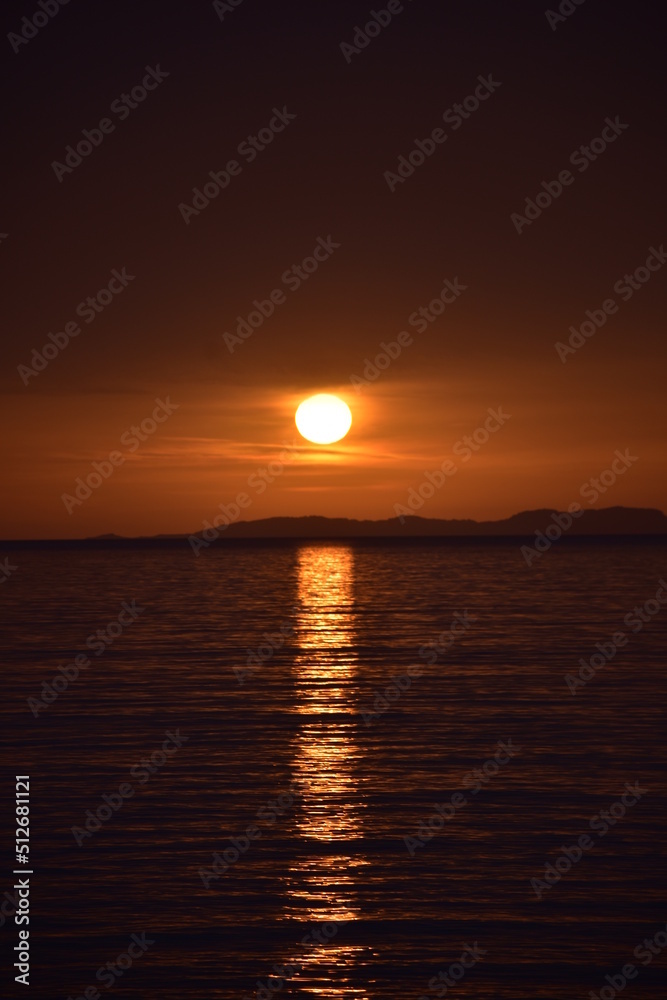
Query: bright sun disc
x=323 y=419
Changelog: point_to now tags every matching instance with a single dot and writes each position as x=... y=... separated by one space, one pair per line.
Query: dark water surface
x=342 y=621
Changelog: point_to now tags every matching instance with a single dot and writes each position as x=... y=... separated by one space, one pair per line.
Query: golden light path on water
x=322 y=886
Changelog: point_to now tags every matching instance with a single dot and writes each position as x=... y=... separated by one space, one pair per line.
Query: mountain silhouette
x=606 y=521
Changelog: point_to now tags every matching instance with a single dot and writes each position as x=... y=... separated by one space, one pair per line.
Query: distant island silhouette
x=604 y=521
x=607 y=521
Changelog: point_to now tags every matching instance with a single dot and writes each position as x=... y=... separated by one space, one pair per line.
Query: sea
x=336 y=770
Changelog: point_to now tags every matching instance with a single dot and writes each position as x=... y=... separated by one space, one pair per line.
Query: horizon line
x=393 y=521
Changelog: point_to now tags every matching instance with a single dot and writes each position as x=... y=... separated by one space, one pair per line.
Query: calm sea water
x=330 y=626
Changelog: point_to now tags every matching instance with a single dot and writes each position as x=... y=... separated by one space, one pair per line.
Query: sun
x=323 y=419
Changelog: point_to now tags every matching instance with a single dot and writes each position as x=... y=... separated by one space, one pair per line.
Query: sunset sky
x=325 y=181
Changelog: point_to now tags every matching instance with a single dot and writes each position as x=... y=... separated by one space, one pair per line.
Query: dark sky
x=323 y=177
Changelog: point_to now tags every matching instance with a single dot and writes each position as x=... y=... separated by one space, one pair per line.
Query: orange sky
x=315 y=201
x=215 y=446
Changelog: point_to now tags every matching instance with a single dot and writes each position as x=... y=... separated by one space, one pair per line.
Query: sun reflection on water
x=322 y=884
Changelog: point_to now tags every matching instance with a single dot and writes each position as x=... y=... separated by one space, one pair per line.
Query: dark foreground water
x=331 y=778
